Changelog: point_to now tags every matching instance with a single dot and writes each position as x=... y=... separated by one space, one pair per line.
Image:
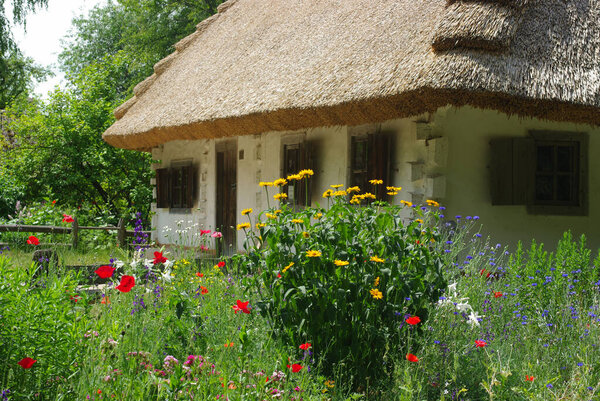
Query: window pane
x=545 y=158
x=563 y=188
x=359 y=156
x=564 y=158
x=544 y=187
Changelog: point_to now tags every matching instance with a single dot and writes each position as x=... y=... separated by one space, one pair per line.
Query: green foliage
x=351 y=312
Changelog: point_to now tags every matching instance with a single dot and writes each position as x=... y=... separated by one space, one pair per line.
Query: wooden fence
x=122 y=232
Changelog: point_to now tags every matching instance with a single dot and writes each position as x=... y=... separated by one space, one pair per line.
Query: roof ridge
x=163 y=64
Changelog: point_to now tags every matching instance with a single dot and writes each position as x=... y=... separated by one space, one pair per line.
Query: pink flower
x=203 y=248
x=67 y=218
x=217 y=234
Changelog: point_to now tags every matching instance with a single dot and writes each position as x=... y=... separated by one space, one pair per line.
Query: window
x=546 y=171
x=176 y=186
x=297 y=157
x=369 y=160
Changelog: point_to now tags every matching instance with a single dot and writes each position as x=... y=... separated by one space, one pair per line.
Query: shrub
x=346 y=278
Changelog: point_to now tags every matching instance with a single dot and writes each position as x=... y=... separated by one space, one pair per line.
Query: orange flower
x=204 y=290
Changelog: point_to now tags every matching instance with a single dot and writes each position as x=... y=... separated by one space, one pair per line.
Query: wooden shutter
x=190 y=186
x=511 y=170
x=379 y=162
x=301 y=186
x=163 y=188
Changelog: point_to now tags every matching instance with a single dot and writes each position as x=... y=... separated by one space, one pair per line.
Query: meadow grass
x=520 y=325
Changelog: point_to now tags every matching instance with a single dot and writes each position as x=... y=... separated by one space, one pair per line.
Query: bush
x=346 y=278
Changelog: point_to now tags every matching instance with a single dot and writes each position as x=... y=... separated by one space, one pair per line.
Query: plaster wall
x=443 y=156
x=467 y=173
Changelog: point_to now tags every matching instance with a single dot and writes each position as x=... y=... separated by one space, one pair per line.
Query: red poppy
x=104 y=271
x=498 y=295
x=480 y=343
x=75 y=298
x=53 y=202
x=483 y=271
x=126 y=284
x=159 y=258
x=67 y=218
x=278 y=275
x=413 y=320
x=412 y=358
x=295 y=367
x=241 y=306
x=200 y=274
x=203 y=232
x=26 y=363
x=305 y=346
x=221 y=264
x=529 y=378
x=33 y=240
x=204 y=289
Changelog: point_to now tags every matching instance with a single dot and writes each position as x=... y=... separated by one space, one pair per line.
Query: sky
x=44 y=30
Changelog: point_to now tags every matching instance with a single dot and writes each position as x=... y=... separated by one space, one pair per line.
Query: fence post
x=121 y=233
x=75 y=232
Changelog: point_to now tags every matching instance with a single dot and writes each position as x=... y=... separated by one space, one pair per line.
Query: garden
x=357 y=300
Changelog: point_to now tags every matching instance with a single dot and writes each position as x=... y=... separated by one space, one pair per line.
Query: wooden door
x=227 y=195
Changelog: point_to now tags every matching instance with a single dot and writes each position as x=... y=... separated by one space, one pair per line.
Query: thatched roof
x=271 y=65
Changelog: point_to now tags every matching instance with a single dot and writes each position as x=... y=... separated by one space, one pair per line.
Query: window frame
x=554 y=207
x=183 y=171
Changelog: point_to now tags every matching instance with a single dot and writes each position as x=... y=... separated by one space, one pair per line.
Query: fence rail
x=122 y=232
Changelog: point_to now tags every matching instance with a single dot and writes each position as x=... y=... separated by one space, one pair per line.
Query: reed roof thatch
x=271 y=65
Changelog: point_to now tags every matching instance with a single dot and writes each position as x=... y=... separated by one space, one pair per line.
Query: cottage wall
x=444 y=156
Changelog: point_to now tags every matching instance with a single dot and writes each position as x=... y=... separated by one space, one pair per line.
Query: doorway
x=227 y=195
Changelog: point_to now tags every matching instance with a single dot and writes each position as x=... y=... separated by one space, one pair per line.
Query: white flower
x=452 y=287
x=148 y=263
x=464 y=307
x=168 y=264
x=118 y=264
x=473 y=318
x=166 y=276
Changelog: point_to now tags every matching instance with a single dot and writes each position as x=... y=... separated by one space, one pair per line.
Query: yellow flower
x=341 y=263
x=393 y=189
x=260 y=225
x=340 y=193
x=355 y=200
x=279 y=182
x=328 y=193
x=377 y=259
x=243 y=225
x=353 y=189
x=419 y=221
x=292 y=177
x=329 y=383
x=432 y=203
x=306 y=173
x=376 y=282
x=376 y=293
x=265 y=184
x=278 y=211
x=318 y=216
x=246 y=211
x=336 y=186
x=376 y=182
x=280 y=196
x=271 y=216
x=313 y=254
x=287 y=267
x=392 y=193
x=298 y=221
x=368 y=195
x=408 y=204
x=305 y=234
